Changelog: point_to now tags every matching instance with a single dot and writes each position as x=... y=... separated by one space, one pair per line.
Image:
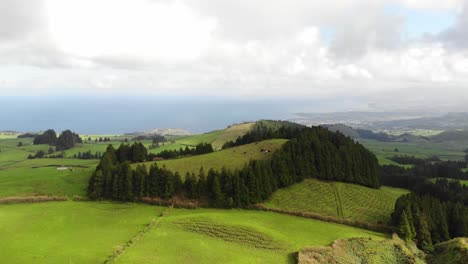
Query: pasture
x=231 y=158
x=232 y=236
x=443 y=150
x=68 y=232
x=338 y=200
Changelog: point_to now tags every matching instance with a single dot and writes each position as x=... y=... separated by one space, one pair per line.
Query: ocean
x=117 y=115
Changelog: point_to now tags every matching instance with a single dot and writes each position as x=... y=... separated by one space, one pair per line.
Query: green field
x=231 y=134
x=89 y=232
x=217 y=137
x=232 y=236
x=443 y=150
x=336 y=199
x=231 y=158
x=68 y=232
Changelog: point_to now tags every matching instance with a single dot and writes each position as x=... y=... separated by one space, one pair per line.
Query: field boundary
x=358 y=224
x=339 y=205
x=148 y=227
x=32 y=199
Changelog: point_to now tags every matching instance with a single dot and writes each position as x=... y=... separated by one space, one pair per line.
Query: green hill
x=338 y=200
x=233 y=236
x=231 y=158
x=90 y=232
x=218 y=137
x=452 y=135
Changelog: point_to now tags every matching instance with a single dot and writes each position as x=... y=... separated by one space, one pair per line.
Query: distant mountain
x=388 y=121
x=162 y=132
x=450 y=121
x=359 y=133
x=452 y=135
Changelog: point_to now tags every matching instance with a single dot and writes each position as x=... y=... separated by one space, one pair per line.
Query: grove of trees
x=310 y=152
x=66 y=140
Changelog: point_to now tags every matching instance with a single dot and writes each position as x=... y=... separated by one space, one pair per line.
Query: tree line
x=266 y=129
x=87 y=155
x=199 y=149
x=434 y=211
x=311 y=152
x=66 y=140
x=427 y=220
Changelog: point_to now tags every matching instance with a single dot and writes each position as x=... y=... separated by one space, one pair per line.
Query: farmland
x=89 y=232
x=68 y=232
x=443 y=150
x=338 y=200
x=224 y=236
x=231 y=158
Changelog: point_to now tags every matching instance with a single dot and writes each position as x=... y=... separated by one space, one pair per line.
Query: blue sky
x=423 y=21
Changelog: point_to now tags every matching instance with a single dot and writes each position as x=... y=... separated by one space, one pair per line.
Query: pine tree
x=404 y=230
x=216 y=196
x=423 y=236
x=125 y=183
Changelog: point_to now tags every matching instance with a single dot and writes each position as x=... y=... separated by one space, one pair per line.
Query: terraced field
x=339 y=200
x=233 y=236
x=230 y=158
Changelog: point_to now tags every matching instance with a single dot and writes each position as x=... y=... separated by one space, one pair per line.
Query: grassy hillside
x=232 y=236
x=68 y=232
x=218 y=137
x=443 y=150
x=231 y=134
x=89 y=232
x=452 y=251
x=230 y=158
x=339 y=200
x=363 y=250
x=453 y=135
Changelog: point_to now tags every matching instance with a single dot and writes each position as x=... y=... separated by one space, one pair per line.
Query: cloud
x=245 y=48
x=456 y=36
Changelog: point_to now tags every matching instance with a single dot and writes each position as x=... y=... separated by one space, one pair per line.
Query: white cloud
x=235 y=48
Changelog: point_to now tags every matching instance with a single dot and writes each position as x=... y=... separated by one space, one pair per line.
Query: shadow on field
x=293 y=258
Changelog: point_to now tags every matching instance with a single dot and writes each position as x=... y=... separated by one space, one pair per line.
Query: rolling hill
x=231 y=158
x=338 y=200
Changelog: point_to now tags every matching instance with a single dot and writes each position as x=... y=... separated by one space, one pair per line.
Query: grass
x=231 y=158
x=233 y=236
x=339 y=200
x=231 y=134
x=201 y=138
x=452 y=251
x=363 y=250
x=68 y=232
x=443 y=150
x=41 y=177
x=218 y=137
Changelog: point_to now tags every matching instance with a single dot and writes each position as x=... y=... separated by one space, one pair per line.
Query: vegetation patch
x=236 y=234
x=453 y=251
x=337 y=200
x=171 y=243
x=233 y=158
x=363 y=250
x=32 y=199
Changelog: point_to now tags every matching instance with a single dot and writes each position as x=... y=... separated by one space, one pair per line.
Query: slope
x=231 y=158
x=338 y=200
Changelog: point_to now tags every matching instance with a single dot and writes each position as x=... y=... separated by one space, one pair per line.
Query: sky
x=381 y=53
